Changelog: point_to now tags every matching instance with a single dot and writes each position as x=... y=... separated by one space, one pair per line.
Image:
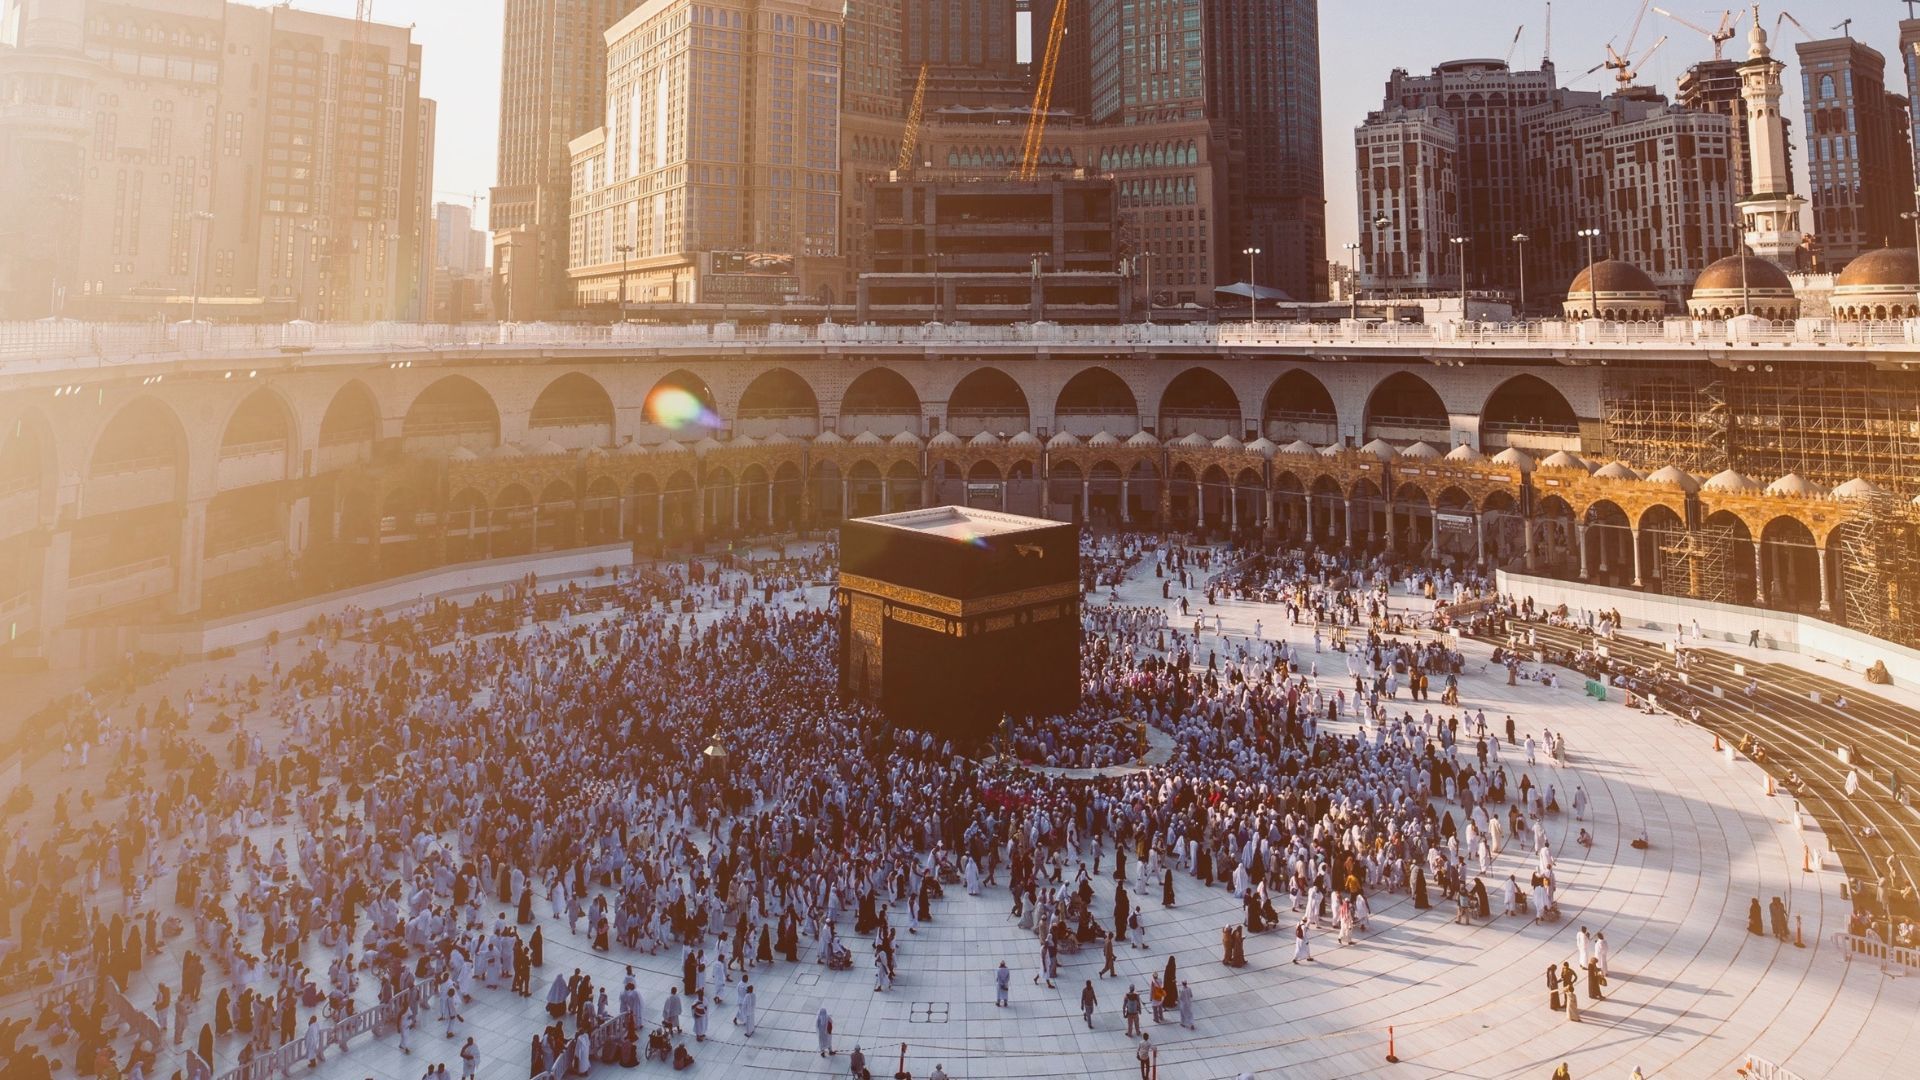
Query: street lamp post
x=199 y=258
x=1353 y=282
x=1593 y=279
x=626 y=253
x=1253 y=287
x=1460 y=245
x=1520 y=245
x=1913 y=215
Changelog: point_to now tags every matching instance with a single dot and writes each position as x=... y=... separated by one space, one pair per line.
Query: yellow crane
x=910 y=138
x=1043 y=93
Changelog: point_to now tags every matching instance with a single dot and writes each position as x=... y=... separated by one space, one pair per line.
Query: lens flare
x=677 y=410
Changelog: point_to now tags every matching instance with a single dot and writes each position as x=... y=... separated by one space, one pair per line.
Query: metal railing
x=1759 y=1068
x=60 y=345
x=1853 y=945
x=380 y=1018
x=118 y=573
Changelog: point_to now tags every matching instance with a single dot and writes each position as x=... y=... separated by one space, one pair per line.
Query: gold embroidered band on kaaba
x=953 y=606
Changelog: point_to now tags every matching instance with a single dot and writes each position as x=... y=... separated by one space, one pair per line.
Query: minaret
x=1771 y=210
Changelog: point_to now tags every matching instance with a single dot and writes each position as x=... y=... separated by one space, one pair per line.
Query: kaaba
x=951 y=618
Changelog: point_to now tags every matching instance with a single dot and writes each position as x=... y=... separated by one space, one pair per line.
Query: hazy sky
x=1360 y=42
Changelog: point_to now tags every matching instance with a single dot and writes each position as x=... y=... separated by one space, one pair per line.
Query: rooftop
x=963 y=523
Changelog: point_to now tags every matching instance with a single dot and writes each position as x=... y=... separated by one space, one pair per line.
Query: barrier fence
x=597 y=1041
x=281 y=1060
x=1874 y=949
x=1759 y=1068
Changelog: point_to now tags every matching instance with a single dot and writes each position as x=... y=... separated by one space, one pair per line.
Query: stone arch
x=513 y=516
x=453 y=411
x=880 y=400
x=1738 y=555
x=988 y=399
x=780 y=401
x=1298 y=406
x=1609 y=543
x=348 y=428
x=136 y=470
x=1404 y=407
x=1790 y=564
x=257 y=443
x=1530 y=404
x=468 y=526
x=903 y=486
x=1661 y=529
x=574 y=411
x=1199 y=399
x=554 y=517
x=681 y=406
x=1095 y=400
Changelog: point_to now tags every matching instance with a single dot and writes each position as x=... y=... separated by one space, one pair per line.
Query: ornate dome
x=945 y=438
x=1856 y=488
x=1422 y=451
x=1514 y=458
x=1878 y=285
x=1143 y=438
x=1263 y=446
x=1465 y=452
x=1228 y=442
x=1024 y=438
x=1794 y=484
x=1300 y=446
x=1063 y=440
x=1726 y=480
x=1381 y=449
x=1104 y=438
x=1743 y=285
x=1674 y=476
x=1619 y=290
x=905 y=438
x=867 y=438
x=1560 y=459
x=1617 y=470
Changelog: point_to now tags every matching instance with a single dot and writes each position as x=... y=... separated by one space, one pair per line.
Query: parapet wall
x=1730 y=623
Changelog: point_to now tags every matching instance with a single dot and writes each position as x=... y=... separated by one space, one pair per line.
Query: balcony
x=246 y=464
x=118 y=586
x=240 y=554
x=128 y=485
x=332 y=457
x=19 y=507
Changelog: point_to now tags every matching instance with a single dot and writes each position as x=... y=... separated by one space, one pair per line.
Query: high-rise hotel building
x=716 y=174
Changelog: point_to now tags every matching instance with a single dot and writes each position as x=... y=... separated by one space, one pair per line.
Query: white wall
x=202 y=638
x=1723 y=622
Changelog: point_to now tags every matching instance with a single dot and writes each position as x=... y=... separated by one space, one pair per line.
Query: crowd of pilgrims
x=666 y=783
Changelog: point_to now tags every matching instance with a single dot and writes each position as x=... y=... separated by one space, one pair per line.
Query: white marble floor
x=1692 y=993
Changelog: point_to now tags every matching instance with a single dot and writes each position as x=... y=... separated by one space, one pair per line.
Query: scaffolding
x=1657 y=421
x=1829 y=424
x=1699 y=561
x=1880 y=569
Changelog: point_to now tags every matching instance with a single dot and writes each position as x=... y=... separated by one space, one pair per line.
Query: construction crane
x=1626 y=68
x=1623 y=63
x=1845 y=26
x=910 y=138
x=1043 y=93
x=1728 y=29
x=1511 y=49
x=1787 y=17
x=473 y=197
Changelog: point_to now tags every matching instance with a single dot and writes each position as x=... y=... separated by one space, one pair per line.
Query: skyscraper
x=1486 y=101
x=1251 y=66
x=269 y=161
x=553 y=67
x=969 y=48
x=1859 y=158
x=718 y=166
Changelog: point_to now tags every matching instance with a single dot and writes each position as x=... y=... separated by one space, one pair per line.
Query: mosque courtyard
x=1691 y=993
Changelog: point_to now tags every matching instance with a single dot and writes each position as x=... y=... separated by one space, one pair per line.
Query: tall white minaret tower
x=1771 y=210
